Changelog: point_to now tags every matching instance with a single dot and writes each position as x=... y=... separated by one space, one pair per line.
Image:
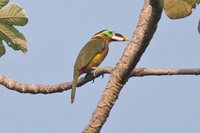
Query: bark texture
x=146 y=27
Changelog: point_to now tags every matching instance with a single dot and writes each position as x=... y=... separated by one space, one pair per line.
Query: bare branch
x=139 y=72
x=149 y=17
x=48 y=89
x=158 y=72
x=32 y=88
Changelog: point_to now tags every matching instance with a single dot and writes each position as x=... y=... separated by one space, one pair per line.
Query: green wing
x=88 y=52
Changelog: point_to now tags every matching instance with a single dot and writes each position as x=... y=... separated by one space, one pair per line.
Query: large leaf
x=13 y=15
x=13 y=37
x=3 y=3
x=2 y=49
x=179 y=8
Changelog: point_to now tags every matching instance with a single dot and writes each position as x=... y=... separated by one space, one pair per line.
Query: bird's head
x=109 y=35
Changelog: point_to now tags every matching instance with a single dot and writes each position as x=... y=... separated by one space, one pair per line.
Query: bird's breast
x=97 y=60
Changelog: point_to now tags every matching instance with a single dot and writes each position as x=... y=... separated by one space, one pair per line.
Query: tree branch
x=139 y=72
x=149 y=17
x=48 y=89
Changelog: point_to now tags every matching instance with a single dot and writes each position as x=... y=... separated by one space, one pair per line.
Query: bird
x=92 y=54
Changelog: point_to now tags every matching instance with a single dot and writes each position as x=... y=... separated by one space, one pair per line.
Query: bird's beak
x=119 y=37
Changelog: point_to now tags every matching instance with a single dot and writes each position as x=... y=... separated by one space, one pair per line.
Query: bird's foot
x=95 y=69
x=102 y=76
x=89 y=76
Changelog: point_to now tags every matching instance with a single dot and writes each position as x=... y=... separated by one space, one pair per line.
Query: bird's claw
x=95 y=70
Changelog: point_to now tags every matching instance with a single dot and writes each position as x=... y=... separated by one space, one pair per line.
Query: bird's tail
x=74 y=85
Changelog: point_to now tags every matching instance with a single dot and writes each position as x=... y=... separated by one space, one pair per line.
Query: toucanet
x=92 y=54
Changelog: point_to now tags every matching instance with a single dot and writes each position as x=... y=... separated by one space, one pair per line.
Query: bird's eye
x=110 y=32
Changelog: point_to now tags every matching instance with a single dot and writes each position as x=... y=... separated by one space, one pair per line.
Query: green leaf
x=179 y=8
x=3 y=3
x=2 y=49
x=13 y=15
x=13 y=37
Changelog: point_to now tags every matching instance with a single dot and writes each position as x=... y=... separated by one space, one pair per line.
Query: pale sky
x=57 y=30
